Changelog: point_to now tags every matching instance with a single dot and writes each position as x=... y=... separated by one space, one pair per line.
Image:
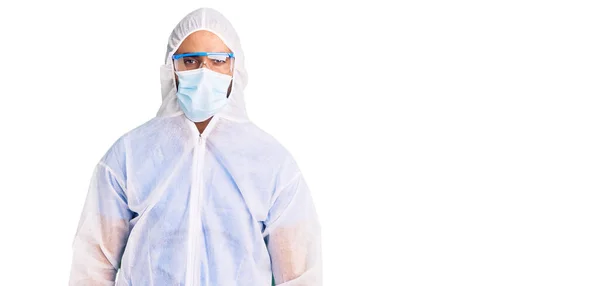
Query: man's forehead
x=202 y=41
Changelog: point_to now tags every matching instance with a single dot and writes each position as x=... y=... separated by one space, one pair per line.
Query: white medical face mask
x=202 y=93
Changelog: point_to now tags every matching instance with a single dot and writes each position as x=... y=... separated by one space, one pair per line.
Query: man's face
x=203 y=41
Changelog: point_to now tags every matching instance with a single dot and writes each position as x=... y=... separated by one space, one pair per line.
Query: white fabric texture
x=170 y=206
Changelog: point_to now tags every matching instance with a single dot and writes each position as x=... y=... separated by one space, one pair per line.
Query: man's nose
x=204 y=61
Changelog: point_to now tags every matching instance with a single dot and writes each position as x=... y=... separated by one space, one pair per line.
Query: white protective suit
x=168 y=206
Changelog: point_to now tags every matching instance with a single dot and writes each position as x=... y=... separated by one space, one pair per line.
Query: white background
x=445 y=142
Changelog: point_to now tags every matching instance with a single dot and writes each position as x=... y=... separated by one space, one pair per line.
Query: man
x=198 y=195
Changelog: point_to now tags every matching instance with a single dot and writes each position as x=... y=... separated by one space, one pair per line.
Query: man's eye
x=218 y=61
x=189 y=61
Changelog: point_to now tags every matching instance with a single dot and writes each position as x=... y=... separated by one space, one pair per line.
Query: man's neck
x=202 y=125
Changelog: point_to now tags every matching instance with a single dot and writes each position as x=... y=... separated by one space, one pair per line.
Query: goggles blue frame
x=202 y=54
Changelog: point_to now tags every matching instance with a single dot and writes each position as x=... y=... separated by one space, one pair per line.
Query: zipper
x=192 y=275
x=196 y=198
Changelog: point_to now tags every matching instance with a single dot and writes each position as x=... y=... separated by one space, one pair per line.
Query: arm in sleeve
x=293 y=236
x=103 y=230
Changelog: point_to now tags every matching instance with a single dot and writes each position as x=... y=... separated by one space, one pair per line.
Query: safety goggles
x=218 y=62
